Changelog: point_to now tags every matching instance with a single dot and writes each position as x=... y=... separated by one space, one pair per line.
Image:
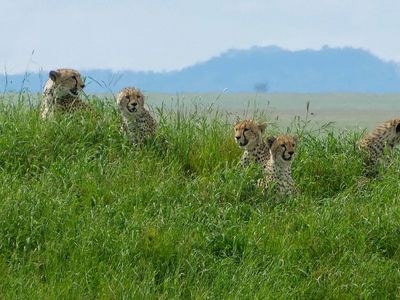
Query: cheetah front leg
x=370 y=161
x=245 y=160
x=46 y=108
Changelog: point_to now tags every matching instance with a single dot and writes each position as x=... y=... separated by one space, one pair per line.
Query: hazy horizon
x=5 y=71
x=160 y=36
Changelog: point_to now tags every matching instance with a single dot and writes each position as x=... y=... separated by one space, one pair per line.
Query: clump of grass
x=327 y=160
x=85 y=214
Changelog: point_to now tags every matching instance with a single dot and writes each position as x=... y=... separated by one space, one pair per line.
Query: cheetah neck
x=274 y=166
x=66 y=100
x=260 y=145
x=281 y=175
x=51 y=91
x=133 y=118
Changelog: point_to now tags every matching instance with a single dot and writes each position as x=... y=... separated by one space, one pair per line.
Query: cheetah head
x=66 y=82
x=130 y=100
x=282 y=148
x=248 y=133
x=395 y=132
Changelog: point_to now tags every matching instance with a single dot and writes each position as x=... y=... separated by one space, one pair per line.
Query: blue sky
x=171 y=34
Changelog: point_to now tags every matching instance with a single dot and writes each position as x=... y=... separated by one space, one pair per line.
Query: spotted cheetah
x=278 y=169
x=248 y=135
x=373 y=145
x=61 y=92
x=137 y=122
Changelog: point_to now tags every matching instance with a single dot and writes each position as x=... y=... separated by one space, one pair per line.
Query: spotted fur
x=373 y=145
x=137 y=122
x=248 y=135
x=61 y=92
x=278 y=169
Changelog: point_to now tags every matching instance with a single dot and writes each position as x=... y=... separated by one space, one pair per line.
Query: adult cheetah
x=61 y=92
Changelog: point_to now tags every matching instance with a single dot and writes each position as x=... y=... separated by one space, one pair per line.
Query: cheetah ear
x=236 y=121
x=141 y=96
x=270 y=140
x=141 y=100
x=262 y=127
x=53 y=75
x=398 y=128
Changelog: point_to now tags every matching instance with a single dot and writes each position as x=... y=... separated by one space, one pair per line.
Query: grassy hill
x=83 y=214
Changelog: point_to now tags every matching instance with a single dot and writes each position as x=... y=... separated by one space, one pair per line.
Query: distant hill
x=263 y=69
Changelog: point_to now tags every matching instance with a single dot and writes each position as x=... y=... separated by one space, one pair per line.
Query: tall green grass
x=83 y=214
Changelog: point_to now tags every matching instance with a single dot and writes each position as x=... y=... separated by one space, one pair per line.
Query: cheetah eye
x=127 y=97
x=246 y=129
x=283 y=145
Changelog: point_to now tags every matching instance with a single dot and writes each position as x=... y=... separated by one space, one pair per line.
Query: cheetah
x=61 y=92
x=248 y=135
x=373 y=145
x=137 y=122
x=278 y=169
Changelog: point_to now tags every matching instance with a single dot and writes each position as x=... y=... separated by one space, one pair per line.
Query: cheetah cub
x=372 y=146
x=248 y=135
x=137 y=122
x=278 y=169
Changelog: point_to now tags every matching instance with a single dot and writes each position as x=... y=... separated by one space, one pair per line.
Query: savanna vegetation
x=83 y=214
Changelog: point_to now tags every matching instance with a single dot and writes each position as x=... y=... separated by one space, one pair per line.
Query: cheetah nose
x=237 y=137
x=134 y=104
x=82 y=86
x=290 y=152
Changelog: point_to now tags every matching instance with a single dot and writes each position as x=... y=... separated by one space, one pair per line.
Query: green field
x=84 y=215
x=352 y=111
